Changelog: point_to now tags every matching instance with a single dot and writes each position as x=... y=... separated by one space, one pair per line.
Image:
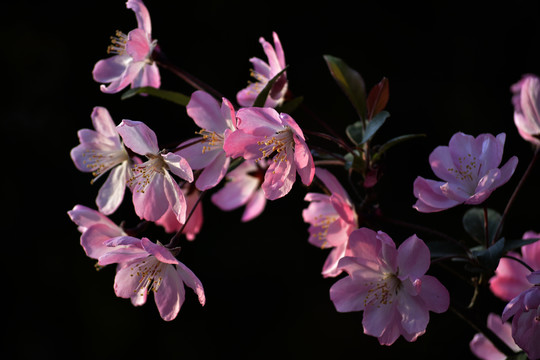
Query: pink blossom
x=484 y=349
x=95 y=228
x=99 y=151
x=264 y=72
x=469 y=170
x=145 y=266
x=510 y=276
x=243 y=187
x=132 y=62
x=526 y=100
x=216 y=122
x=389 y=285
x=264 y=133
x=154 y=189
x=332 y=219
x=525 y=309
x=193 y=226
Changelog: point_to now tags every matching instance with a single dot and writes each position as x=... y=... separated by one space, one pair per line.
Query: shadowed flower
x=264 y=133
x=389 y=285
x=132 y=62
x=332 y=219
x=484 y=349
x=469 y=170
x=101 y=151
x=145 y=266
x=263 y=72
x=525 y=309
x=526 y=100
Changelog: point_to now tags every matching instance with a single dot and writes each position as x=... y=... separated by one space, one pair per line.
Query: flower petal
x=413 y=259
x=138 y=137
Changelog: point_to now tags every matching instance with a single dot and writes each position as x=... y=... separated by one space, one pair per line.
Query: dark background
x=449 y=65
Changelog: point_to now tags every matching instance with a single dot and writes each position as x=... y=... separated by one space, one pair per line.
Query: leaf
x=374 y=125
x=377 y=98
x=354 y=161
x=355 y=132
x=517 y=243
x=350 y=82
x=473 y=222
x=441 y=249
x=519 y=356
x=172 y=96
x=489 y=258
x=261 y=98
x=393 y=142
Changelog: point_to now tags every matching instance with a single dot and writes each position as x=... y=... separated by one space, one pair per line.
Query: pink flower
x=510 y=276
x=469 y=170
x=243 y=187
x=145 y=266
x=263 y=133
x=526 y=102
x=154 y=189
x=389 y=285
x=207 y=153
x=525 y=308
x=264 y=72
x=332 y=219
x=484 y=349
x=96 y=229
x=99 y=151
x=170 y=222
x=132 y=63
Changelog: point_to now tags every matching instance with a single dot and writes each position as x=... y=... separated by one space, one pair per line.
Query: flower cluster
x=253 y=151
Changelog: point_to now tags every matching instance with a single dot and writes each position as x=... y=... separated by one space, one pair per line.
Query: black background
x=450 y=68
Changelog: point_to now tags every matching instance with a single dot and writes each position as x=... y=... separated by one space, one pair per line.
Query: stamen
x=118 y=43
x=382 y=292
x=211 y=140
x=324 y=222
x=99 y=162
x=149 y=273
x=277 y=146
x=142 y=174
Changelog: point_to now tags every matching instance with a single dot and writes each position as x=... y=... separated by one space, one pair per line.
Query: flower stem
x=516 y=191
x=519 y=261
x=176 y=238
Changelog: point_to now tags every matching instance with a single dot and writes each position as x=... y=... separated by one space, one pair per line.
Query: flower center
x=383 y=291
x=466 y=170
x=324 y=222
x=118 y=43
x=149 y=273
x=142 y=174
x=277 y=146
x=211 y=140
x=99 y=162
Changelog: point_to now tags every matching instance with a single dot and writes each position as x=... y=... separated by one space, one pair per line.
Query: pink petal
x=241 y=144
x=138 y=45
x=235 y=193
x=205 y=111
x=153 y=202
x=147 y=76
x=378 y=317
x=503 y=330
x=196 y=154
x=414 y=314
x=103 y=123
x=413 y=259
x=192 y=281
x=484 y=349
x=435 y=296
x=178 y=166
x=531 y=252
x=348 y=295
x=254 y=206
x=303 y=161
x=331 y=182
x=279 y=179
x=111 y=193
x=430 y=197
x=84 y=217
x=170 y=295
x=111 y=69
x=214 y=172
x=159 y=251
x=138 y=137
x=93 y=240
x=175 y=198
x=441 y=162
x=142 y=14
x=259 y=121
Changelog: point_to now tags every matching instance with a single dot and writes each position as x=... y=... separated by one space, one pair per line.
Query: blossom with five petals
x=510 y=276
x=243 y=187
x=144 y=266
x=484 y=349
x=265 y=133
x=264 y=72
x=332 y=219
x=389 y=285
x=525 y=309
x=96 y=229
x=154 y=189
x=469 y=170
x=132 y=62
x=216 y=123
x=99 y=151
x=526 y=100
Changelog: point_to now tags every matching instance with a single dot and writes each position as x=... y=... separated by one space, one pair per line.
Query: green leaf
x=350 y=82
x=489 y=258
x=355 y=132
x=393 y=142
x=261 y=98
x=374 y=125
x=441 y=249
x=354 y=161
x=517 y=243
x=377 y=98
x=172 y=96
x=519 y=356
x=474 y=224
